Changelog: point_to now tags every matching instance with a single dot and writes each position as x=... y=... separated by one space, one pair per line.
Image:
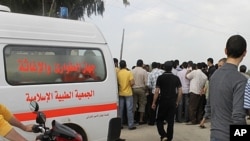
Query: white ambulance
x=64 y=65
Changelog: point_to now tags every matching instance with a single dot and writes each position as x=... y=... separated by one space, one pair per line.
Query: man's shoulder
x=183 y=71
x=156 y=71
x=176 y=77
x=123 y=71
x=140 y=70
x=166 y=74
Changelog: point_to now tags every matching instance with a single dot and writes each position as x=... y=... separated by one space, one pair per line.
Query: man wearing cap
x=168 y=97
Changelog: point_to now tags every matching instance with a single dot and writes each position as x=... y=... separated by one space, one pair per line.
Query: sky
x=162 y=30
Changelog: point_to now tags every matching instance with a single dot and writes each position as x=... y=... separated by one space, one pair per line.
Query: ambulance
x=64 y=65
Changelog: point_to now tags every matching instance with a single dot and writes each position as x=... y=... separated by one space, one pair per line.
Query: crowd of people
x=188 y=92
x=169 y=93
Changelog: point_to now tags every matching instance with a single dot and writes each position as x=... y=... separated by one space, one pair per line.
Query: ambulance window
x=46 y=65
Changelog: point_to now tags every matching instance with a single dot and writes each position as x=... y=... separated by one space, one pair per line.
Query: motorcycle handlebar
x=38 y=129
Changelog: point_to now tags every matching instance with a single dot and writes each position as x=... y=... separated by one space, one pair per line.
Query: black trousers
x=150 y=113
x=166 y=112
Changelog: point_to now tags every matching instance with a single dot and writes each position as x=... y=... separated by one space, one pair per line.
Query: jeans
x=214 y=139
x=128 y=101
x=183 y=107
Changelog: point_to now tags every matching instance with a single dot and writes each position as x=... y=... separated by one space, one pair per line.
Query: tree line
x=76 y=8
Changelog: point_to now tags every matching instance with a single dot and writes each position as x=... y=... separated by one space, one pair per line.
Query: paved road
x=182 y=132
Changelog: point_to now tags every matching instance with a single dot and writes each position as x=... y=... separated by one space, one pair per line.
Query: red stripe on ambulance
x=68 y=111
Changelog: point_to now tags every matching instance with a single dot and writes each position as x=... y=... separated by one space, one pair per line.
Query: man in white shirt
x=184 y=103
x=197 y=82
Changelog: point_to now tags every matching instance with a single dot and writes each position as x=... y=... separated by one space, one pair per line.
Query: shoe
x=136 y=123
x=164 y=139
x=132 y=128
x=202 y=126
x=178 y=121
x=143 y=122
x=190 y=123
x=120 y=139
x=151 y=124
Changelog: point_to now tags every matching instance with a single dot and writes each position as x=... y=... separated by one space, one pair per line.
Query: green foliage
x=126 y=2
x=23 y=6
x=76 y=8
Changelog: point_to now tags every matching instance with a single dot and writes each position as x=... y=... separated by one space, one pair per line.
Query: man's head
x=123 y=64
x=154 y=65
x=177 y=62
x=199 y=65
x=243 y=68
x=146 y=67
x=236 y=47
x=174 y=64
x=115 y=62
x=139 y=63
x=210 y=62
x=184 y=65
x=168 y=65
x=190 y=63
x=221 y=62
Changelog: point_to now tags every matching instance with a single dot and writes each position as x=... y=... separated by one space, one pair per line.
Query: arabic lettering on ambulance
x=32 y=66
x=25 y=65
x=97 y=115
x=56 y=95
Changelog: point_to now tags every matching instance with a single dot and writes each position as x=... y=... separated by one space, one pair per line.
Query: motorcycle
x=58 y=132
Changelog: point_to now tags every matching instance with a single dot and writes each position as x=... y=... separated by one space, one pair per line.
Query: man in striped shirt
x=152 y=77
x=247 y=98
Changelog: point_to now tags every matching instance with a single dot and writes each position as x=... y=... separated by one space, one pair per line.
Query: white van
x=4 y=8
x=64 y=65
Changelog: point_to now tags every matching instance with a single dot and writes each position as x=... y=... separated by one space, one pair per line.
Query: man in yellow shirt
x=7 y=120
x=125 y=82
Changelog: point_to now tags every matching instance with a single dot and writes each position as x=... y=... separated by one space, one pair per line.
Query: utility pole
x=122 y=44
x=43 y=7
